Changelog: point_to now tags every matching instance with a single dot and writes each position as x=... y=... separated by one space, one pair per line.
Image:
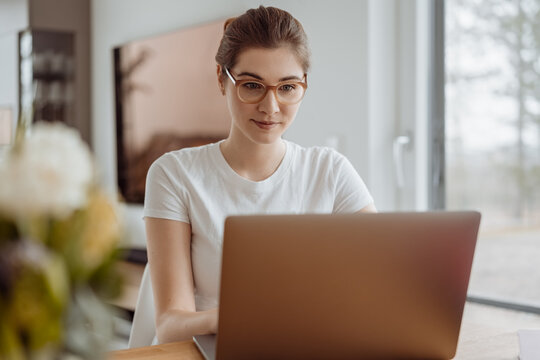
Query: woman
x=262 y=65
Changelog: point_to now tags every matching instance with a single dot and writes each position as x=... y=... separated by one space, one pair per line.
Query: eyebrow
x=291 y=77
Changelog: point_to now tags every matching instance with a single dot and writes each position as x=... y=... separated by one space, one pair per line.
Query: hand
x=213 y=320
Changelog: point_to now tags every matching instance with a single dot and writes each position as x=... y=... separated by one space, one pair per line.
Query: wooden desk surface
x=476 y=342
x=178 y=350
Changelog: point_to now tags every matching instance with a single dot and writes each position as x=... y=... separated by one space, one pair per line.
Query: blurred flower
x=48 y=174
x=37 y=293
x=102 y=229
x=58 y=245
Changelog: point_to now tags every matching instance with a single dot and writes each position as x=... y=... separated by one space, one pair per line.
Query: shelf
x=50 y=77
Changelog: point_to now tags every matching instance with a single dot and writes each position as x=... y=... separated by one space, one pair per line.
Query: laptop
x=356 y=286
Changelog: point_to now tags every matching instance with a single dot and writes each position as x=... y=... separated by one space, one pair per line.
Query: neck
x=255 y=162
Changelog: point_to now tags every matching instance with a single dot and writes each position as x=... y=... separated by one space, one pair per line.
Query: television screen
x=167 y=98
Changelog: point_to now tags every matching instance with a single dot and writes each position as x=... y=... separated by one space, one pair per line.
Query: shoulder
x=321 y=155
x=186 y=158
x=179 y=165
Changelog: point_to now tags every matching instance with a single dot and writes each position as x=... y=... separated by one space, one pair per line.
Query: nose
x=269 y=104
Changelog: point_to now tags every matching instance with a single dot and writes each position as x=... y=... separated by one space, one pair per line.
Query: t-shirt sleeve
x=351 y=193
x=164 y=196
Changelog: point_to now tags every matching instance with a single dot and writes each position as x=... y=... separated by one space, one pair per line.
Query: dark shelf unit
x=47 y=75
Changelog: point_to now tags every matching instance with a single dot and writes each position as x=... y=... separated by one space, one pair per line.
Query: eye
x=253 y=86
x=287 y=87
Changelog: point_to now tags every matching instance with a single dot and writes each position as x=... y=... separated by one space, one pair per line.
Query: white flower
x=50 y=175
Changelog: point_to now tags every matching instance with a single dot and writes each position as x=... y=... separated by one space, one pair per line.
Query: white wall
x=13 y=18
x=397 y=102
x=382 y=98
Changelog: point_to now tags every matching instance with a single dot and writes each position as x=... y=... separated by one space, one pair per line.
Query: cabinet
x=47 y=75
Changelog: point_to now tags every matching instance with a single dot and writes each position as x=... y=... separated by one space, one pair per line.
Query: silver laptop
x=387 y=285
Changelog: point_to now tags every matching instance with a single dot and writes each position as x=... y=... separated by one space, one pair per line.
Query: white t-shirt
x=197 y=186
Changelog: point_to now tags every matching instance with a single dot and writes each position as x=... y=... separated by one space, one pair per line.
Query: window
x=492 y=139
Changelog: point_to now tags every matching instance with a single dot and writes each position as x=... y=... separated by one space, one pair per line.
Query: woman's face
x=263 y=122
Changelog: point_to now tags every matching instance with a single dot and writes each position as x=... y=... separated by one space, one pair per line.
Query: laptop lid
x=344 y=286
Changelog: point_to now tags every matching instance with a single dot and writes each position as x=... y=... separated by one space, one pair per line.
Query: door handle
x=400 y=143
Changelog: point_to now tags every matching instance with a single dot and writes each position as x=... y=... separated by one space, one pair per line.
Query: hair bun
x=228 y=22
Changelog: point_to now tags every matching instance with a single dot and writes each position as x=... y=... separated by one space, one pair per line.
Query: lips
x=266 y=125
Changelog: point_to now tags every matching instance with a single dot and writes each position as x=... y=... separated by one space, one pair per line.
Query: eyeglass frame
x=274 y=88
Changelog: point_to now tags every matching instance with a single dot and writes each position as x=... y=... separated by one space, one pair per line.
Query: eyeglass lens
x=288 y=93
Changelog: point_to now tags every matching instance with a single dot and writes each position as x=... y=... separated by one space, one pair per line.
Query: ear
x=219 y=78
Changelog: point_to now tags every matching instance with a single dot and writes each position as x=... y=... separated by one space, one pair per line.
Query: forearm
x=177 y=325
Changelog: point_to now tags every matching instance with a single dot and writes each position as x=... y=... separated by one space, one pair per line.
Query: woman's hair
x=264 y=27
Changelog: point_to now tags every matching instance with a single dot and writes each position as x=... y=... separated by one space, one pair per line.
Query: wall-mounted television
x=167 y=98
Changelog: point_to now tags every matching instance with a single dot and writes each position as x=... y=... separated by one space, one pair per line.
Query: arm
x=351 y=192
x=169 y=258
x=368 y=209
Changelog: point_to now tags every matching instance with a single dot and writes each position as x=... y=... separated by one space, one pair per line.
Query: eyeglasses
x=288 y=92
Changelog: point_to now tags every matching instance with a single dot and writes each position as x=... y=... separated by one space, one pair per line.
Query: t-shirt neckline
x=231 y=175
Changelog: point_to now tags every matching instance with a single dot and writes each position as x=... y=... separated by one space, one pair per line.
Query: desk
x=185 y=350
x=482 y=342
x=475 y=342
